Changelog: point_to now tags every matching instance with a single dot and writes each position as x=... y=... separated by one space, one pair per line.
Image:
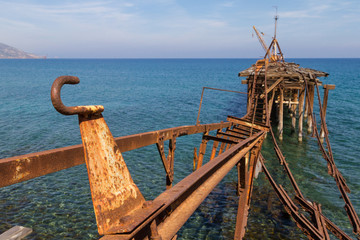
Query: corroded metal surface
x=121 y=210
x=119 y=205
x=113 y=191
x=21 y=168
x=60 y=107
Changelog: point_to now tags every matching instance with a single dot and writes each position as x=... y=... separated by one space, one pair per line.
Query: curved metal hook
x=60 y=107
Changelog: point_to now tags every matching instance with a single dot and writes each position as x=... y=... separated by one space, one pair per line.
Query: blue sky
x=180 y=28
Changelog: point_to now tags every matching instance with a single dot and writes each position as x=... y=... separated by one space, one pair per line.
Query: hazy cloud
x=183 y=28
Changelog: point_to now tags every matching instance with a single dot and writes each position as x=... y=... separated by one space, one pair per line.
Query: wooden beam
x=329 y=86
x=274 y=85
x=281 y=113
x=311 y=106
x=324 y=105
x=301 y=113
x=245 y=123
x=293 y=109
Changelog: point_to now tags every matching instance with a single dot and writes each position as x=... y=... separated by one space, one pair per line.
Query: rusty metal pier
x=121 y=210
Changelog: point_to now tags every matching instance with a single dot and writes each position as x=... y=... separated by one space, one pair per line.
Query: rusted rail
x=21 y=168
x=202 y=95
x=121 y=211
x=332 y=169
x=260 y=113
x=321 y=222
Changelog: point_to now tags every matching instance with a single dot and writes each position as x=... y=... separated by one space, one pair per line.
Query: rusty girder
x=121 y=210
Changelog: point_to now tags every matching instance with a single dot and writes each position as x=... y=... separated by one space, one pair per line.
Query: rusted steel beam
x=242 y=215
x=242 y=171
x=132 y=142
x=182 y=199
x=195 y=159
x=285 y=165
x=310 y=101
x=294 y=109
x=246 y=171
x=171 y=159
x=314 y=210
x=243 y=130
x=324 y=105
x=253 y=116
x=339 y=179
x=236 y=137
x=231 y=157
x=301 y=221
x=168 y=162
x=246 y=123
x=329 y=224
x=22 y=168
x=275 y=84
x=222 y=146
x=218 y=139
x=320 y=221
x=301 y=113
x=215 y=146
x=202 y=150
x=237 y=134
x=113 y=191
x=281 y=113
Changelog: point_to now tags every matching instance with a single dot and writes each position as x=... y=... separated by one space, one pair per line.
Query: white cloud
x=157 y=26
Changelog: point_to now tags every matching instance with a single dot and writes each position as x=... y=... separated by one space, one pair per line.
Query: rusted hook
x=60 y=107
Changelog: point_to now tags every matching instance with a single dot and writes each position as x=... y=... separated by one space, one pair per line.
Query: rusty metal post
x=195 y=159
x=249 y=91
x=168 y=162
x=281 y=113
x=293 y=109
x=311 y=94
x=202 y=151
x=301 y=113
x=214 y=148
x=180 y=215
x=271 y=102
x=246 y=172
x=171 y=159
x=306 y=110
x=325 y=101
x=113 y=191
x=243 y=208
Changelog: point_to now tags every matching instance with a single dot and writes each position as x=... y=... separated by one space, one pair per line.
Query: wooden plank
x=248 y=124
x=329 y=86
x=15 y=233
x=274 y=85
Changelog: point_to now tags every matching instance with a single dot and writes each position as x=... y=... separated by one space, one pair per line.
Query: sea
x=141 y=95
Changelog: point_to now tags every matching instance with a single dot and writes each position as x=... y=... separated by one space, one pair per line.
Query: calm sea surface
x=142 y=95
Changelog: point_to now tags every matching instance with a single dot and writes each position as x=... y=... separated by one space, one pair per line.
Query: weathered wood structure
x=286 y=85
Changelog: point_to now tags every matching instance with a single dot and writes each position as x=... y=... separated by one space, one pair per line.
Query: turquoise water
x=142 y=95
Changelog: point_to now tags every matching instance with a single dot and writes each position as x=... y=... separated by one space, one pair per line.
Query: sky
x=180 y=28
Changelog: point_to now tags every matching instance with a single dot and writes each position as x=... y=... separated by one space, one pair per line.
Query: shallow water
x=149 y=94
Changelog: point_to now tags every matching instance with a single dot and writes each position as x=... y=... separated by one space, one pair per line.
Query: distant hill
x=11 y=52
